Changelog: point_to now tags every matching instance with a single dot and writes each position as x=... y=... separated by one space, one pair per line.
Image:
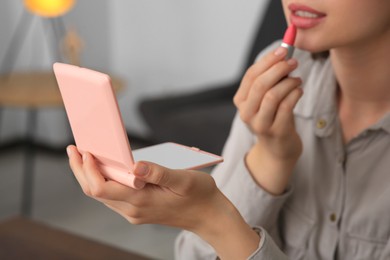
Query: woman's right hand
x=265 y=100
x=180 y=198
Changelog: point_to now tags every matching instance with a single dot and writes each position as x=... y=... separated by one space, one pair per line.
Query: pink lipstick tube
x=288 y=41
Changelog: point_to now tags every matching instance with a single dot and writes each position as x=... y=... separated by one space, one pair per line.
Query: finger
x=99 y=187
x=175 y=180
x=93 y=175
x=284 y=118
x=264 y=119
x=257 y=69
x=263 y=84
x=76 y=164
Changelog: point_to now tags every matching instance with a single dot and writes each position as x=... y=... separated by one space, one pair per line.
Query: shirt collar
x=383 y=124
x=320 y=102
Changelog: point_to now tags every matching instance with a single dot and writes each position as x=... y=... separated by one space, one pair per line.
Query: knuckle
x=259 y=84
x=283 y=67
x=86 y=191
x=236 y=100
x=97 y=191
x=137 y=221
x=134 y=213
x=138 y=201
x=271 y=97
x=160 y=176
x=188 y=184
x=251 y=73
x=260 y=129
x=286 y=107
x=245 y=116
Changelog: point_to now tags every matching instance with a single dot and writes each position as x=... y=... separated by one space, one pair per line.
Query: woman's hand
x=180 y=198
x=265 y=100
x=171 y=197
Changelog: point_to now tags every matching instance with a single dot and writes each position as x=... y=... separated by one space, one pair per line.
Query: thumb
x=157 y=174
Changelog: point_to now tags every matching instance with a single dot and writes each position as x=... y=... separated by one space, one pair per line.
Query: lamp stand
x=22 y=29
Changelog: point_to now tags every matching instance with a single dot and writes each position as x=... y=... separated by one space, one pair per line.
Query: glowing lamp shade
x=49 y=8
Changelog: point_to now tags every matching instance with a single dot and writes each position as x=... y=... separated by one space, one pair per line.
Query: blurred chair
x=203 y=118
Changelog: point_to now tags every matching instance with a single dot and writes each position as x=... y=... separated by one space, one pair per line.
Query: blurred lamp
x=49 y=8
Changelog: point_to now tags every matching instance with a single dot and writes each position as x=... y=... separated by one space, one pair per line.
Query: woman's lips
x=305 y=17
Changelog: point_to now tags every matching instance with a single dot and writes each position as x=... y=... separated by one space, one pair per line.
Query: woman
x=305 y=176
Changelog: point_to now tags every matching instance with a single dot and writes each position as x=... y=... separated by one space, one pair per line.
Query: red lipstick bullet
x=288 y=40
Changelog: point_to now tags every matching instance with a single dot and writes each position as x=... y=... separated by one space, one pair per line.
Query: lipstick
x=288 y=40
x=305 y=17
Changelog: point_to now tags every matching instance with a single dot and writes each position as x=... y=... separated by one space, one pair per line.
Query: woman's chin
x=313 y=48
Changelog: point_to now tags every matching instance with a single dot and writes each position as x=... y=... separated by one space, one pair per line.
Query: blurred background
x=167 y=54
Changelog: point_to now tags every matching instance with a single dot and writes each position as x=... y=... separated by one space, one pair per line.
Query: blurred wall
x=175 y=46
x=36 y=54
x=158 y=47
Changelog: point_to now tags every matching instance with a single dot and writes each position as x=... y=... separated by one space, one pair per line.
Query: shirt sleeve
x=267 y=249
x=258 y=207
x=189 y=246
x=200 y=250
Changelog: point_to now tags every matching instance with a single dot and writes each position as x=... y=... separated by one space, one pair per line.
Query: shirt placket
x=327 y=126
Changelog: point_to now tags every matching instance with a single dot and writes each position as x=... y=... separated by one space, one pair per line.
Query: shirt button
x=321 y=123
x=333 y=217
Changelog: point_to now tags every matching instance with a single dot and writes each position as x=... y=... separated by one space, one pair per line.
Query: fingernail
x=84 y=157
x=141 y=169
x=280 y=51
x=68 y=151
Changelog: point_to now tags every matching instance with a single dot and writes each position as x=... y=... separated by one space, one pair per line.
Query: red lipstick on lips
x=288 y=40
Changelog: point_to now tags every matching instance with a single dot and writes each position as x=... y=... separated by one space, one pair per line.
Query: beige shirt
x=338 y=203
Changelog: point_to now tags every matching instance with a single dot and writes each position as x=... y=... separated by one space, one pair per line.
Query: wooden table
x=26 y=239
x=33 y=91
